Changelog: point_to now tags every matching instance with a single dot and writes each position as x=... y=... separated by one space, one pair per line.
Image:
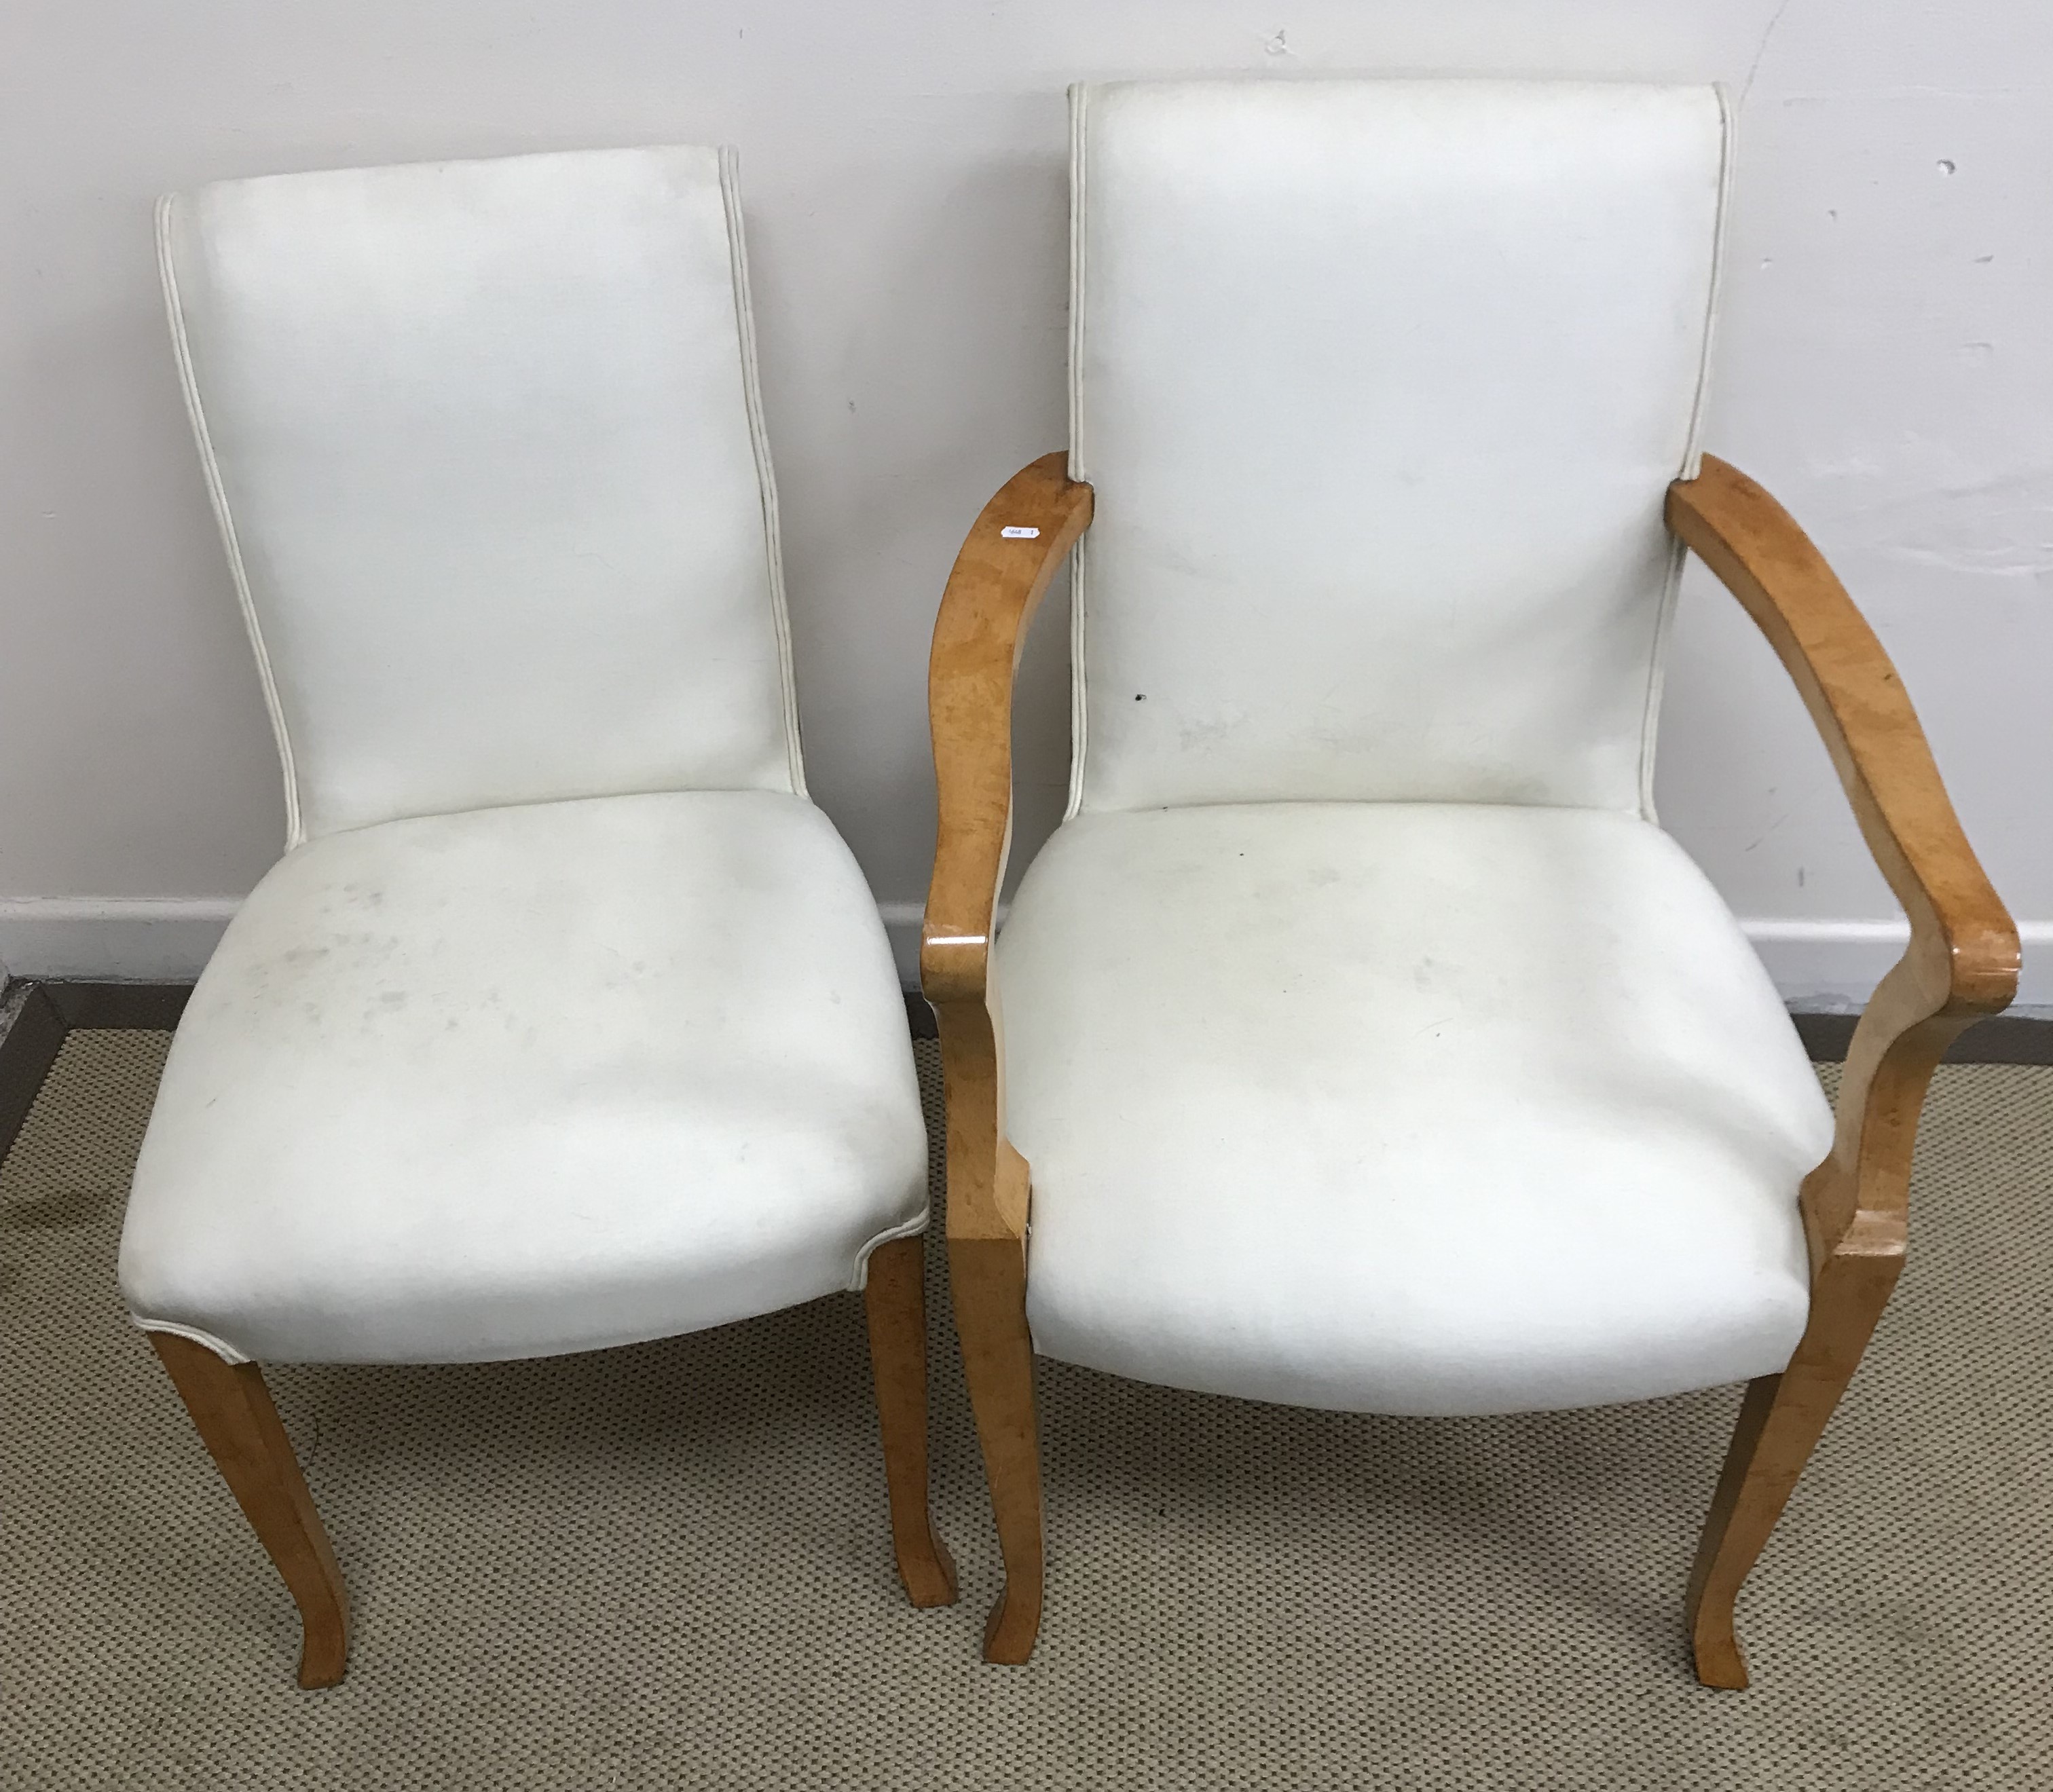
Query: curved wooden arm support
x=1962 y=962
x=999 y=580
x=997 y=584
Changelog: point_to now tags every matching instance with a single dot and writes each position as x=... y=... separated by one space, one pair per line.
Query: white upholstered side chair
x=1366 y=1044
x=567 y=1021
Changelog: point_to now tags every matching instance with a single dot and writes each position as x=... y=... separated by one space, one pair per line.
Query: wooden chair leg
x=990 y=1194
x=1779 y=1423
x=232 y=1408
x=896 y=1300
x=988 y=1278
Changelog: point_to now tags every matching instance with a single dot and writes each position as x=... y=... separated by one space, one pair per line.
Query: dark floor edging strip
x=32 y=1033
x=84 y=1004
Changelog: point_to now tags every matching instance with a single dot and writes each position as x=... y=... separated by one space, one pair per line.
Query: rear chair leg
x=232 y=1408
x=1779 y=1424
x=896 y=1300
x=989 y=1279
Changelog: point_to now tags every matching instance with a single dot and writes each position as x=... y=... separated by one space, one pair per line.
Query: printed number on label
x=1015 y=534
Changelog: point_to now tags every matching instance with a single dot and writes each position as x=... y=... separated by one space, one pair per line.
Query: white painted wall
x=1884 y=365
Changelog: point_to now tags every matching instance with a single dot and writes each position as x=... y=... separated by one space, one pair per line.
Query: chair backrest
x=485 y=445
x=1380 y=384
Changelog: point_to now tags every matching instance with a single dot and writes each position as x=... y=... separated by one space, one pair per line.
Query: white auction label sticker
x=1012 y=532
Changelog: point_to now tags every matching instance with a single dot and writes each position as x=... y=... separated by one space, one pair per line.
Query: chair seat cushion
x=531 y=1080
x=1404 y=1107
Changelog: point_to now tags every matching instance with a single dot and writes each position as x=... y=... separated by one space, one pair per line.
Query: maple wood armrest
x=997 y=584
x=1962 y=962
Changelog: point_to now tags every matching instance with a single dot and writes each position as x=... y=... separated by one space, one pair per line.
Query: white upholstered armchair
x=1365 y=1043
x=567 y=1020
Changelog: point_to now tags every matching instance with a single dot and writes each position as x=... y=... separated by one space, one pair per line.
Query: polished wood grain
x=1961 y=963
x=988 y=1277
x=997 y=583
x=232 y=1409
x=895 y=1298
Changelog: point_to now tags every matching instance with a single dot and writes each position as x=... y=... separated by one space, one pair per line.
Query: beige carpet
x=668 y=1566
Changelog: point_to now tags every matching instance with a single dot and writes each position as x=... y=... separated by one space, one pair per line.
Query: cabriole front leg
x=232 y=1409
x=988 y=1201
x=1779 y=1424
x=895 y=1297
x=989 y=1278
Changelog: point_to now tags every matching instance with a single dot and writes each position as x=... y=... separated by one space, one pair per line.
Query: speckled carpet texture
x=668 y=1565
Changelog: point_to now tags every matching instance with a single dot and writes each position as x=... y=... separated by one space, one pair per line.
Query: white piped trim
x=1693 y=460
x=1079 y=556
x=175 y=307
x=1728 y=130
x=228 y=1353
x=766 y=478
x=912 y=1229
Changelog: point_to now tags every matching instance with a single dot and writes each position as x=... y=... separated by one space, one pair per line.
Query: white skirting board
x=1818 y=965
x=134 y=939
